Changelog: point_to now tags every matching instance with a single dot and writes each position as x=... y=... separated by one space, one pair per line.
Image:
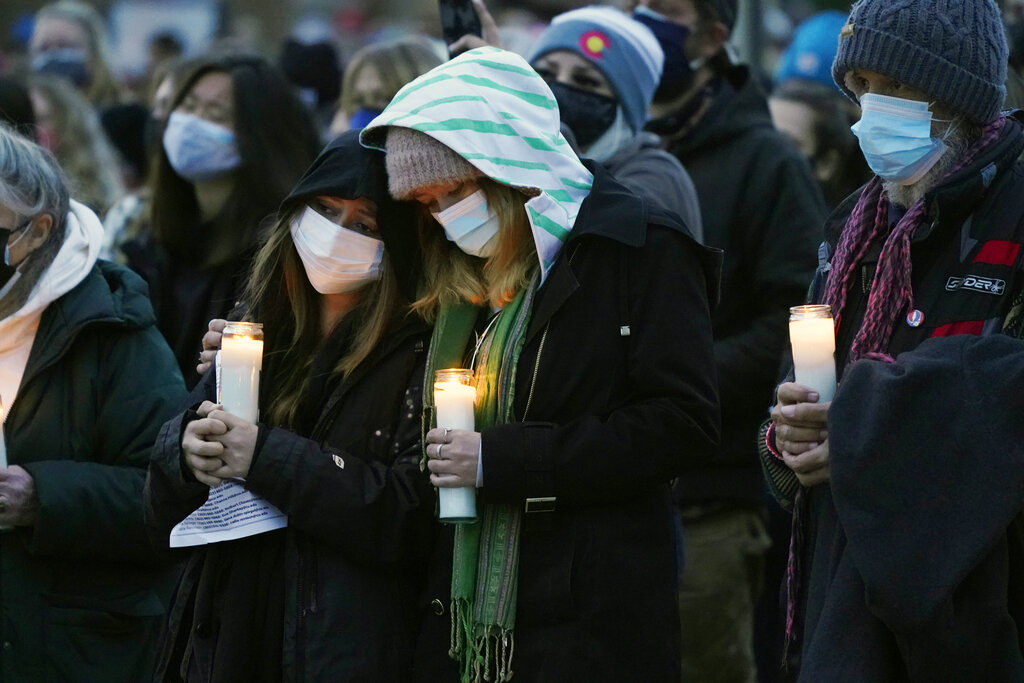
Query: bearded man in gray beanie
x=908 y=555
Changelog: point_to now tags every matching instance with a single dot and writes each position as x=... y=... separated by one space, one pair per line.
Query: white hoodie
x=76 y=257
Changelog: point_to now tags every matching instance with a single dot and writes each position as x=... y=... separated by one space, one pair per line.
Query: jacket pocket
x=93 y=642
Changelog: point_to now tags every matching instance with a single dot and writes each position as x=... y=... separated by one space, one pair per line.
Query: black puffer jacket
x=82 y=594
x=346 y=571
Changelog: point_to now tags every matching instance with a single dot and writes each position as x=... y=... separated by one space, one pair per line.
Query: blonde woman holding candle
x=333 y=596
x=584 y=312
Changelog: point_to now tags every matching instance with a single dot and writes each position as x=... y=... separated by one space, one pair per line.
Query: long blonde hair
x=279 y=295
x=103 y=90
x=450 y=275
x=82 y=148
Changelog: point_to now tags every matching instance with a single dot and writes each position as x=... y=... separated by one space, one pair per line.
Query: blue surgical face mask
x=66 y=62
x=677 y=73
x=471 y=224
x=198 y=149
x=896 y=137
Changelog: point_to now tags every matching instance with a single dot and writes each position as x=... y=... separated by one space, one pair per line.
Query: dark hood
x=347 y=170
x=739 y=104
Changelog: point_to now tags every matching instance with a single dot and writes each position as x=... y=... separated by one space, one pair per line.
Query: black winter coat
x=82 y=595
x=185 y=297
x=762 y=205
x=360 y=515
x=618 y=363
x=901 y=438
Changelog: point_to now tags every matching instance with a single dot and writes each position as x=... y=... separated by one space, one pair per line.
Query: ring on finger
x=439 y=446
x=445 y=436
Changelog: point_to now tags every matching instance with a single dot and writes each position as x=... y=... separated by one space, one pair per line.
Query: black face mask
x=587 y=114
x=677 y=73
x=6 y=271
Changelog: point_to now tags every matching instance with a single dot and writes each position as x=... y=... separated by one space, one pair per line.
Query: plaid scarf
x=485 y=565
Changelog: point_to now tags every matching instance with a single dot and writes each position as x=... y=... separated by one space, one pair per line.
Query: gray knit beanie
x=953 y=50
x=415 y=159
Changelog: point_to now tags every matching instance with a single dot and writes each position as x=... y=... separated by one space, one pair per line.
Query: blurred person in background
x=69 y=40
x=68 y=126
x=125 y=126
x=334 y=597
x=86 y=380
x=311 y=62
x=762 y=205
x=376 y=73
x=603 y=67
x=126 y=219
x=164 y=48
x=16 y=106
x=807 y=106
x=235 y=142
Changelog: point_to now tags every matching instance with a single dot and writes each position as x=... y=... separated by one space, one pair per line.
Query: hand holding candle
x=454 y=399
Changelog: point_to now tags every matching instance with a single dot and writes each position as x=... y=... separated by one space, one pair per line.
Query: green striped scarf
x=485 y=565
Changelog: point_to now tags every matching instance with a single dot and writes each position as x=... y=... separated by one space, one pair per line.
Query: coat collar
x=613 y=212
x=109 y=295
x=400 y=332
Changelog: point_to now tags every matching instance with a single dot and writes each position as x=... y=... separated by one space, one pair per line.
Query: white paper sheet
x=230 y=512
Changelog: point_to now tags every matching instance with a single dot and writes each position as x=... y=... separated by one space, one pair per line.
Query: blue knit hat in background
x=625 y=51
x=953 y=50
x=813 y=49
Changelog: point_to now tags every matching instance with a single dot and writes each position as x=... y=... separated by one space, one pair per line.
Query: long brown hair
x=280 y=296
x=450 y=275
x=276 y=141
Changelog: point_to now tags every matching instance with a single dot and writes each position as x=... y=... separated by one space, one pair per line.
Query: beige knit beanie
x=415 y=159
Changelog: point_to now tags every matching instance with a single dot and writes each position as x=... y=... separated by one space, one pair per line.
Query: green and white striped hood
x=492 y=108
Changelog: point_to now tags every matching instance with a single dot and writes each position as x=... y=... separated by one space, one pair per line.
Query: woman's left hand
x=18 y=503
x=453 y=456
x=239 y=445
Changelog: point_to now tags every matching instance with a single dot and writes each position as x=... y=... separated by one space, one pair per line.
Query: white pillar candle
x=241 y=359
x=454 y=399
x=813 y=339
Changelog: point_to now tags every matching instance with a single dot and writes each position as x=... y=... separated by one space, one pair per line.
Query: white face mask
x=471 y=224
x=198 y=149
x=336 y=259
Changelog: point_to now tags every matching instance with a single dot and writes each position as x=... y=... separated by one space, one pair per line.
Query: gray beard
x=957 y=143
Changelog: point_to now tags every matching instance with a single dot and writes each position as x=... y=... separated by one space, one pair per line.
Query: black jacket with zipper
x=349 y=565
x=615 y=393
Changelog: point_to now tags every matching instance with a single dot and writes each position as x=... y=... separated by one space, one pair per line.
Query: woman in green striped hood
x=584 y=312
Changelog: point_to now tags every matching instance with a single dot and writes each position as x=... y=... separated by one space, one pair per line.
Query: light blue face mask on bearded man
x=895 y=136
